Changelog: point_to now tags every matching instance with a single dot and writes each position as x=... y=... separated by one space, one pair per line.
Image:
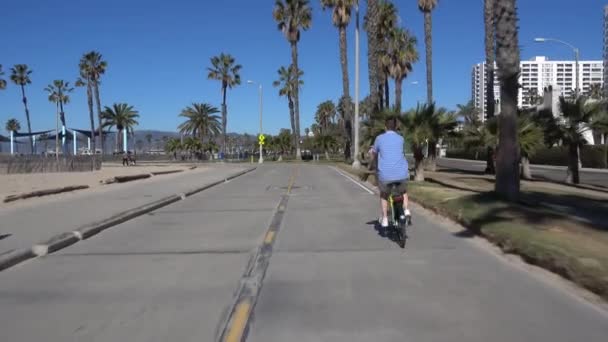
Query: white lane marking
x=352 y=180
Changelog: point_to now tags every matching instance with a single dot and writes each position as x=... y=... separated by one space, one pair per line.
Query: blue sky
x=158 y=52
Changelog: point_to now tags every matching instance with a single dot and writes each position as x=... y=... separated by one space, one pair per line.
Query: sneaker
x=384 y=222
x=407 y=212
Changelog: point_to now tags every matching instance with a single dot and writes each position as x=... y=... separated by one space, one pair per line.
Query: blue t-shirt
x=392 y=165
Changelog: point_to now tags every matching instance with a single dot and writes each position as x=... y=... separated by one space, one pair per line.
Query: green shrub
x=471 y=154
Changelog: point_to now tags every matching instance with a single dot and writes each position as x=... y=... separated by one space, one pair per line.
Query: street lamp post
x=576 y=57
x=261 y=160
x=356 y=162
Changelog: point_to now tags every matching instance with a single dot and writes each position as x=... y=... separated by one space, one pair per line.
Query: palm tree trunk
x=419 y=164
x=296 y=96
x=327 y=155
x=224 y=119
x=292 y=119
x=100 y=128
x=431 y=163
x=526 y=173
x=372 y=53
x=398 y=90
x=346 y=93
x=27 y=117
x=573 y=174
x=428 y=40
x=92 y=117
x=381 y=91
x=507 y=47
x=490 y=52
x=57 y=134
x=490 y=167
x=387 y=102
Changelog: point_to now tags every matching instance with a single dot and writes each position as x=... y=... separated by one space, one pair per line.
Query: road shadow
x=384 y=233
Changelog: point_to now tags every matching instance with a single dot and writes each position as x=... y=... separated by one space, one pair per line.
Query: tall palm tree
x=401 y=54
x=387 y=22
x=201 y=121
x=85 y=81
x=2 y=81
x=507 y=57
x=326 y=112
x=490 y=47
x=122 y=116
x=427 y=6
x=289 y=81
x=341 y=15
x=371 y=26
x=93 y=67
x=59 y=92
x=20 y=75
x=292 y=16
x=224 y=69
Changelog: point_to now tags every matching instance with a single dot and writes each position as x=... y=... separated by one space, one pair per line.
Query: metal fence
x=41 y=164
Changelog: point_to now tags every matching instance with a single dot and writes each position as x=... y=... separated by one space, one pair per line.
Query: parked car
x=307 y=155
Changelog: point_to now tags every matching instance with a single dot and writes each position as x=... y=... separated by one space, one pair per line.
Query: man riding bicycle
x=392 y=167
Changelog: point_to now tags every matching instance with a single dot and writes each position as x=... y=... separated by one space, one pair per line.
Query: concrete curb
x=63 y=240
x=45 y=192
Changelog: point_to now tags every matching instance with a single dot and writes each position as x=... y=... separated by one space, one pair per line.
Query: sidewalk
x=23 y=227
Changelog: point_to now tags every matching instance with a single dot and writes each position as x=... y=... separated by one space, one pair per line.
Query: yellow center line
x=269 y=237
x=241 y=315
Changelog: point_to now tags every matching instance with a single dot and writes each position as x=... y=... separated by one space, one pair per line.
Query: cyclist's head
x=391 y=123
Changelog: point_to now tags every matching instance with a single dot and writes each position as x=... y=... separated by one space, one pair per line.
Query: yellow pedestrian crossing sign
x=261 y=139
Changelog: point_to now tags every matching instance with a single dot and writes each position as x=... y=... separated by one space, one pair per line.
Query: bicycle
x=396 y=222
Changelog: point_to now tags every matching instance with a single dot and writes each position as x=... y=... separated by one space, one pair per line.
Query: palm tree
x=341 y=18
x=371 y=26
x=149 y=140
x=530 y=138
x=442 y=125
x=287 y=86
x=2 y=81
x=469 y=113
x=595 y=91
x=325 y=142
x=59 y=92
x=400 y=56
x=478 y=135
x=326 y=112
x=92 y=67
x=173 y=145
x=20 y=75
x=577 y=115
x=12 y=125
x=122 y=116
x=387 y=23
x=201 y=121
x=416 y=128
x=427 y=6
x=508 y=59
x=224 y=69
x=291 y=16
x=490 y=31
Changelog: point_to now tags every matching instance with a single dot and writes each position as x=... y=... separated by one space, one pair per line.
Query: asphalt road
x=172 y=275
x=557 y=174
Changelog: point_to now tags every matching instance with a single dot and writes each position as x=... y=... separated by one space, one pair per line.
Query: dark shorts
x=385 y=188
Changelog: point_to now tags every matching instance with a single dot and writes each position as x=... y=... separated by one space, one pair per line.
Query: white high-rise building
x=479 y=77
x=606 y=51
x=538 y=74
